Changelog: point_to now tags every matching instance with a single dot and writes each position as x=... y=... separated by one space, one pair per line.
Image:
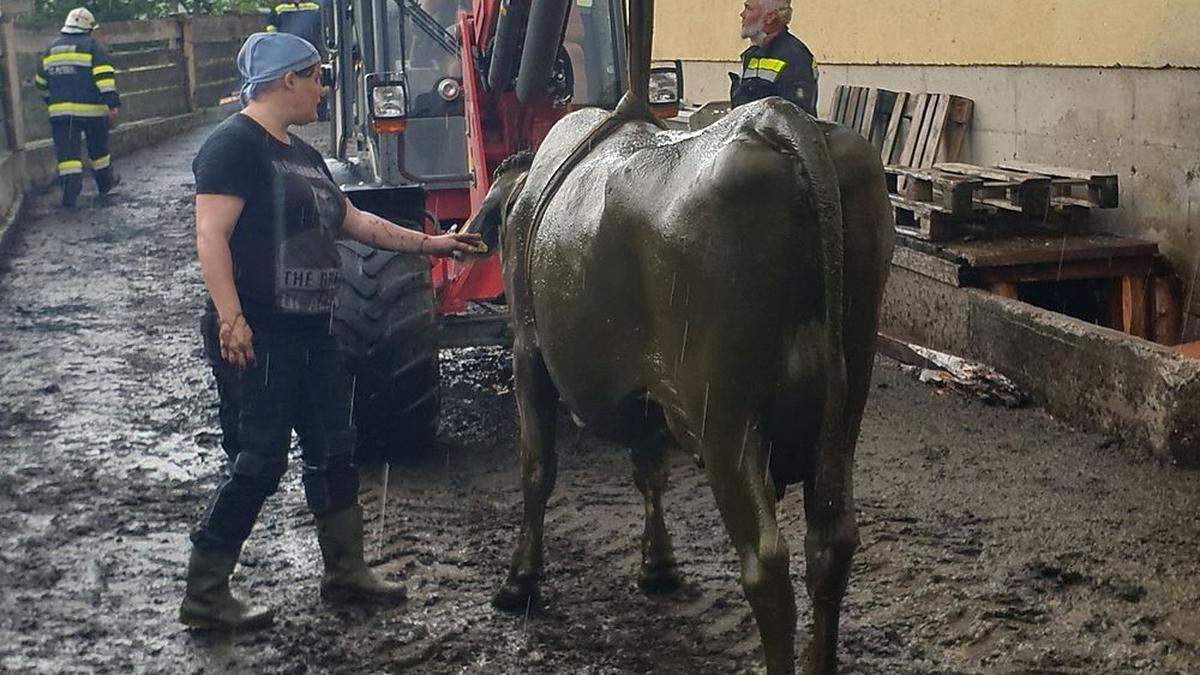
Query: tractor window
x=592 y=41
x=431 y=53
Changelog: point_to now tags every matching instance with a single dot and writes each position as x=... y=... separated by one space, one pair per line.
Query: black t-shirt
x=285 y=261
x=784 y=67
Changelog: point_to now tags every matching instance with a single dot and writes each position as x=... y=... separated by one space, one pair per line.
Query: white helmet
x=79 y=20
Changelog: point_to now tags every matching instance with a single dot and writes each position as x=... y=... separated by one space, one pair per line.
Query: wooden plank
x=226 y=27
x=1005 y=289
x=912 y=134
x=852 y=110
x=859 y=114
x=1137 y=302
x=937 y=127
x=893 y=129
x=1036 y=250
x=914 y=130
x=134 y=32
x=922 y=219
x=1059 y=171
x=1167 y=312
x=958 y=120
x=14 y=106
x=884 y=100
x=835 y=112
x=898 y=350
x=868 y=119
x=927 y=123
x=1086 y=269
x=186 y=45
x=990 y=173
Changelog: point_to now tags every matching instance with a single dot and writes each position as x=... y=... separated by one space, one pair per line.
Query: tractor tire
x=386 y=322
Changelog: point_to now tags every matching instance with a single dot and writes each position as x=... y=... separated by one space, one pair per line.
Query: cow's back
x=688 y=265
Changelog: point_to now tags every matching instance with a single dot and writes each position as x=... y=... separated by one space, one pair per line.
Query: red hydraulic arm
x=498 y=125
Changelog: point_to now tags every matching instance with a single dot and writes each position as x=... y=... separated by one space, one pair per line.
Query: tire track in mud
x=992 y=540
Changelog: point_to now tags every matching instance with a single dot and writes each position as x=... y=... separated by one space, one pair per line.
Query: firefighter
x=777 y=63
x=304 y=18
x=300 y=17
x=78 y=83
x=267 y=216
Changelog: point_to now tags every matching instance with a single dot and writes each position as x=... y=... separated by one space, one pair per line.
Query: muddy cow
x=716 y=291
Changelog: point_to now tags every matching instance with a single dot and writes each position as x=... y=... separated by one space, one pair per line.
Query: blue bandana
x=266 y=57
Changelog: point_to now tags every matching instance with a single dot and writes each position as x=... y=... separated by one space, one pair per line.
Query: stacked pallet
x=914 y=130
x=937 y=202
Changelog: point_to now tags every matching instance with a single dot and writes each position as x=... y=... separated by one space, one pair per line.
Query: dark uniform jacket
x=784 y=67
x=302 y=19
x=77 y=78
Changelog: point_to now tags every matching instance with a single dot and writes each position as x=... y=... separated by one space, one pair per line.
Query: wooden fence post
x=15 y=118
x=187 y=49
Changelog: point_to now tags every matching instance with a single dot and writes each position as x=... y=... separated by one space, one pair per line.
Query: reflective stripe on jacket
x=784 y=67
x=77 y=77
x=303 y=19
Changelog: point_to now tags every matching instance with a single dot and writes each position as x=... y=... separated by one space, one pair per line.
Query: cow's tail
x=817 y=191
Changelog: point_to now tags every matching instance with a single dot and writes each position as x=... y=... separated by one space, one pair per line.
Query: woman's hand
x=237 y=342
x=456 y=242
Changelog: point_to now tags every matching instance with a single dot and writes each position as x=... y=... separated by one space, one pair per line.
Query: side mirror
x=327 y=75
x=666 y=89
x=388 y=95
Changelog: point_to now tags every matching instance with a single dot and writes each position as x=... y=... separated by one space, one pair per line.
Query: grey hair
x=782 y=8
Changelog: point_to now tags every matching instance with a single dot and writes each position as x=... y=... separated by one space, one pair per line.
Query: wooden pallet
x=915 y=130
x=1002 y=197
x=867 y=110
x=1101 y=191
x=1024 y=193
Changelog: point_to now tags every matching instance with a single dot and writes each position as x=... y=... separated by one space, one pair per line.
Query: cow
x=716 y=291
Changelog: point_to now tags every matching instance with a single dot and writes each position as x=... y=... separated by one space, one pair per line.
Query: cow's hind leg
x=658 y=573
x=829 y=547
x=537 y=401
x=746 y=497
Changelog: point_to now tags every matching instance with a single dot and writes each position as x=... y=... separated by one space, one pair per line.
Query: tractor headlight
x=389 y=101
x=449 y=89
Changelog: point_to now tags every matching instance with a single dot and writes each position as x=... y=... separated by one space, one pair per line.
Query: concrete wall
x=1137 y=33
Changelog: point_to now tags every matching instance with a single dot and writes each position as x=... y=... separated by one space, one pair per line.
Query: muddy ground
x=993 y=540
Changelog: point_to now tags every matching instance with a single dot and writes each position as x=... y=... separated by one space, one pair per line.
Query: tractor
x=428 y=97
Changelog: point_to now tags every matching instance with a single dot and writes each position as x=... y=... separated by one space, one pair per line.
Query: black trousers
x=298 y=383
x=69 y=133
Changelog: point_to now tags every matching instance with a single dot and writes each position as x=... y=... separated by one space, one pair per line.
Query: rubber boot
x=106 y=180
x=208 y=604
x=72 y=185
x=347 y=577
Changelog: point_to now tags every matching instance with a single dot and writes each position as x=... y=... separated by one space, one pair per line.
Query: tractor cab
x=429 y=96
x=406 y=102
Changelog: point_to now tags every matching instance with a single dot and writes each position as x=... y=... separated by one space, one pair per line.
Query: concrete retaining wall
x=1089 y=376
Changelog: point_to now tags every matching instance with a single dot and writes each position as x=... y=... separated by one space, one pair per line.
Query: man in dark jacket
x=79 y=85
x=776 y=64
x=303 y=18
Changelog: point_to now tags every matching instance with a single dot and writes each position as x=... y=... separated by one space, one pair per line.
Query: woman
x=267 y=215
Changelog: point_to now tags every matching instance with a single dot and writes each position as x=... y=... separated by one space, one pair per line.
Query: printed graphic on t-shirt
x=307 y=261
